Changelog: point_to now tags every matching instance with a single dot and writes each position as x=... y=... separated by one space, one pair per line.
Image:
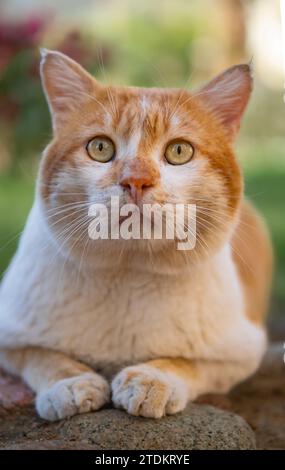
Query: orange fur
x=210 y=118
x=252 y=253
x=119 y=113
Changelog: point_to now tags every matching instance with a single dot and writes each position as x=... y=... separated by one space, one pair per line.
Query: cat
x=138 y=322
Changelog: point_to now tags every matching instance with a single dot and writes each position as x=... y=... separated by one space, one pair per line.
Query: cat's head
x=145 y=145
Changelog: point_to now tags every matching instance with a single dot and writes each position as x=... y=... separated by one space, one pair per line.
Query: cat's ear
x=66 y=85
x=227 y=95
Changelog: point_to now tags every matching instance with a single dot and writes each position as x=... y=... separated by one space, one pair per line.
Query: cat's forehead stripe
x=145 y=104
x=151 y=112
x=175 y=121
x=132 y=145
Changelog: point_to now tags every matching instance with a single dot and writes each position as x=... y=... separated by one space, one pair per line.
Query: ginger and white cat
x=136 y=321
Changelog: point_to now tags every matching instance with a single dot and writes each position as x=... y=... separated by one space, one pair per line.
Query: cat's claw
x=74 y=395
x=143 y=390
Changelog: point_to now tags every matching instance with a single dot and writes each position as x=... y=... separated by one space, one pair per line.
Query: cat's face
x=145 y=146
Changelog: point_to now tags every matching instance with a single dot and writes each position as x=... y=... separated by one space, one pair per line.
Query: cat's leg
x=164 y=386
x=64 y=387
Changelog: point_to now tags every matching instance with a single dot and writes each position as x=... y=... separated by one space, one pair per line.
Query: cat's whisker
x=220 y=223
x=13 y=238
x=110 y=95
x=79 y=228
x=183 y=90
x=91 y=97
x=82 y=258
x=65 y=207
x=61 y=219
x=220 y=218
x=207 y=224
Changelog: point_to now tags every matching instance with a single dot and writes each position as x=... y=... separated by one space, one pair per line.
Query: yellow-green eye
x=179 y=152
x=101 y=149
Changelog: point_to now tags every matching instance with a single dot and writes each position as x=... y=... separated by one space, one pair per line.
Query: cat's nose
x=136 y=186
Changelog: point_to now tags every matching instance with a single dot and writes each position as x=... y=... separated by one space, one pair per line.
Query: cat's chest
x=130 y=318
x=125 y=316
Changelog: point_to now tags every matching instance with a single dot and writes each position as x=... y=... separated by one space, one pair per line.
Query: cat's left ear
x=227 y=95
x=66 y=84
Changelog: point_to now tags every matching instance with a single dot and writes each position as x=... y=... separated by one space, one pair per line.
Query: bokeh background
x=150 y=43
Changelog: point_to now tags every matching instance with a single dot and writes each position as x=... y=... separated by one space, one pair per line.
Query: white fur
x=115 y=317
x=145 y=105
x=67 y=397
x=129 y=149
x=149 y=392
x=175 y=121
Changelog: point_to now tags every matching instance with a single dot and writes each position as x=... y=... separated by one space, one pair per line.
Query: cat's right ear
x=66 y=84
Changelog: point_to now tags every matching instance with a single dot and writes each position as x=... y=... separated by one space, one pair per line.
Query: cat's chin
x=154 y=256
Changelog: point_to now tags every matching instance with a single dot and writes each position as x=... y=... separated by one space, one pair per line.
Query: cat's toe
x=67 y=397
x=146 y=391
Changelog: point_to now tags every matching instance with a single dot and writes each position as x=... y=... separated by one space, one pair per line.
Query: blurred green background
x=151 y=43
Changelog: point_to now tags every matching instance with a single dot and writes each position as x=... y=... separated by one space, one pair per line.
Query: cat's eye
x=179 y=152
x=101 y=149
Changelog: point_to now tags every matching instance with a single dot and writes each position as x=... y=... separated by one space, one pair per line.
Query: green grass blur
x=16 y=195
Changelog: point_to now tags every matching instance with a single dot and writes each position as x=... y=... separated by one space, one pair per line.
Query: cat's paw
x=67 y=397
x=143 y=390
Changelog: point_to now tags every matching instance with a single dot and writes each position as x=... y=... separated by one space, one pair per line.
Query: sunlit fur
x=185 y=322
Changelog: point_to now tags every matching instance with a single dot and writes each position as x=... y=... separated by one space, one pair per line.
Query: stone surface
x=13 y=393
x=212 y=423
x=276 y=328
x=261 y=400
x=198 y=427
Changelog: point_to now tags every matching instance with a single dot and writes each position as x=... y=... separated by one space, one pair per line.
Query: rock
x=276 y=328
x=199 y=427
x=13 y=393
x=213 y=423
x=261 y=400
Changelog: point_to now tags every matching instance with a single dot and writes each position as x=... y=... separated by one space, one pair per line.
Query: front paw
x=67 y=397
x=143 y=390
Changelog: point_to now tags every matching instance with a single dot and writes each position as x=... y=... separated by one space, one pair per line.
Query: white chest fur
x=123 y=316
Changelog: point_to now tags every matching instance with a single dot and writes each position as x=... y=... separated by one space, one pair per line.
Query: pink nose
x=136 y=186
